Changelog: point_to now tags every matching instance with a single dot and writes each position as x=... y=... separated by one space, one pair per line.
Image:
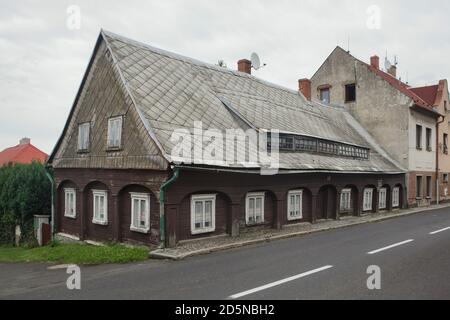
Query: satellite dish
x=256 y=62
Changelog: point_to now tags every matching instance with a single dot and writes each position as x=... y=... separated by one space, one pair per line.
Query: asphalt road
x=414 y=264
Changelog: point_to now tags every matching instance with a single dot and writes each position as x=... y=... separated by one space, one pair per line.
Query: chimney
x=393 y=71
x=375 y=62
x=304 y=85
x=245 y=65
x=25 y=141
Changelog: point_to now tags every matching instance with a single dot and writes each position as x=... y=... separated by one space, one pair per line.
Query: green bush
x=25 y=191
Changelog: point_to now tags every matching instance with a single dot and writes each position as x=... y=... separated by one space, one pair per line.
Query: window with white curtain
x=254 y=212
x=346 y=200
x=382 y=199
x=368 y=200
x=100 y=207
x=70 y=206
x=396 y=197
x=115 y=132
x=83 y=136
x=295 y=205
x=140 y=212
x=203 y=213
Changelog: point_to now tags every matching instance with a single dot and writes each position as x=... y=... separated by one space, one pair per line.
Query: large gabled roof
x=172 y=92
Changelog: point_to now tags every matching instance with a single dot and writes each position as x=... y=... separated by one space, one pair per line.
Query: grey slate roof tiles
x=172 y=92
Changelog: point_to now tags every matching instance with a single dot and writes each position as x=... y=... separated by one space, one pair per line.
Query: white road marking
x=439 y=231
x=390 y=247
x=277 y=283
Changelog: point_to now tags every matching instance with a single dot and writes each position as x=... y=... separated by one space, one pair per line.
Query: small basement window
x=140 y=212
x=350 y=93
x=203 y=214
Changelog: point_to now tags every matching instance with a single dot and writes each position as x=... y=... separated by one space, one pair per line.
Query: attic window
x=350 y=93
x=83 y=137
x=115 y=133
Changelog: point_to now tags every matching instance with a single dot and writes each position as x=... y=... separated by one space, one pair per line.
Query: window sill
x=83 y=151
x=140 y=230
x=254 y=224
x=113 y=149
x=419 y=149
x=70 y=217
x=203 y=231
x=100 y=223
x=295 y=218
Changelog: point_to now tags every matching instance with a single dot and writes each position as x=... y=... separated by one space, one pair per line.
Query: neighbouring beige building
x=400 y=120
x=438 y=96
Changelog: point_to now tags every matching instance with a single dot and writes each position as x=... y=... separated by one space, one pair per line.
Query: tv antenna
x=256 y=61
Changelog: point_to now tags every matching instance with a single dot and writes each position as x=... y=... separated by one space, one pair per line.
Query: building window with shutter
x=429 y=141
x=346 y=201
x=140 y=212
x=100 y=204
x=419 y=187
x=203 y=214
x=368 y=200
x=254 y=212
x=324 y=95
x=115 y=133
x=70 y=206
x=396 y=197
x=83 y=137
x=382 y=200
x=350 y=93
x=295 y=205
x=419 y=137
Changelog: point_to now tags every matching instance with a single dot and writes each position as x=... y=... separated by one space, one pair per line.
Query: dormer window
x=115 y=133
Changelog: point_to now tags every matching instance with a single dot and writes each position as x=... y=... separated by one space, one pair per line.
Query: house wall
x=444 y=127
x=379 y=107
x=118 y=184
x=235 y=186
x=384 y=112
x=231 y=189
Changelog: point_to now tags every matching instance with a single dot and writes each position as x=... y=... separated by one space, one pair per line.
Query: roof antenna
x=348 y=44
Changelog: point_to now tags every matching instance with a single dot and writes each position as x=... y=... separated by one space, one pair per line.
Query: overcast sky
x=43 y=56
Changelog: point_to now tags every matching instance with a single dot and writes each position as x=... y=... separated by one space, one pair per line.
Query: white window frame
x=95 y=219
x=84 y=145
x=254 y=195
x=348 y=206
x=382 y=199
x=140 y=197
x=368 y=205
x=396 y=197
x=203 y=198
x=117 y=135
x=67 y=193
x=299 y=216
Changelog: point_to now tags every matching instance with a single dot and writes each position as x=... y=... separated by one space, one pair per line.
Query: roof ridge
x=174 y=55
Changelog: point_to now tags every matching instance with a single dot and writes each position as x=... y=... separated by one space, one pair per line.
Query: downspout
x=438 y=197
x=52 y=183
x=162 y=215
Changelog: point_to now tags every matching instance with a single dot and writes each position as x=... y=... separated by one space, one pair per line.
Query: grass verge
x=80 y=254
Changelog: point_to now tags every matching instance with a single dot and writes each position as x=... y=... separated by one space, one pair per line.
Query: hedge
x=25 y=191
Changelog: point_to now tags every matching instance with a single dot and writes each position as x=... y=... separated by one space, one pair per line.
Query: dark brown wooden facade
x=321 y=200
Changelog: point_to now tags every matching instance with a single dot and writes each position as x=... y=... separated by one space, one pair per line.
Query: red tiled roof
x=428 y=94
x=22 y=153
x=404 y=88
